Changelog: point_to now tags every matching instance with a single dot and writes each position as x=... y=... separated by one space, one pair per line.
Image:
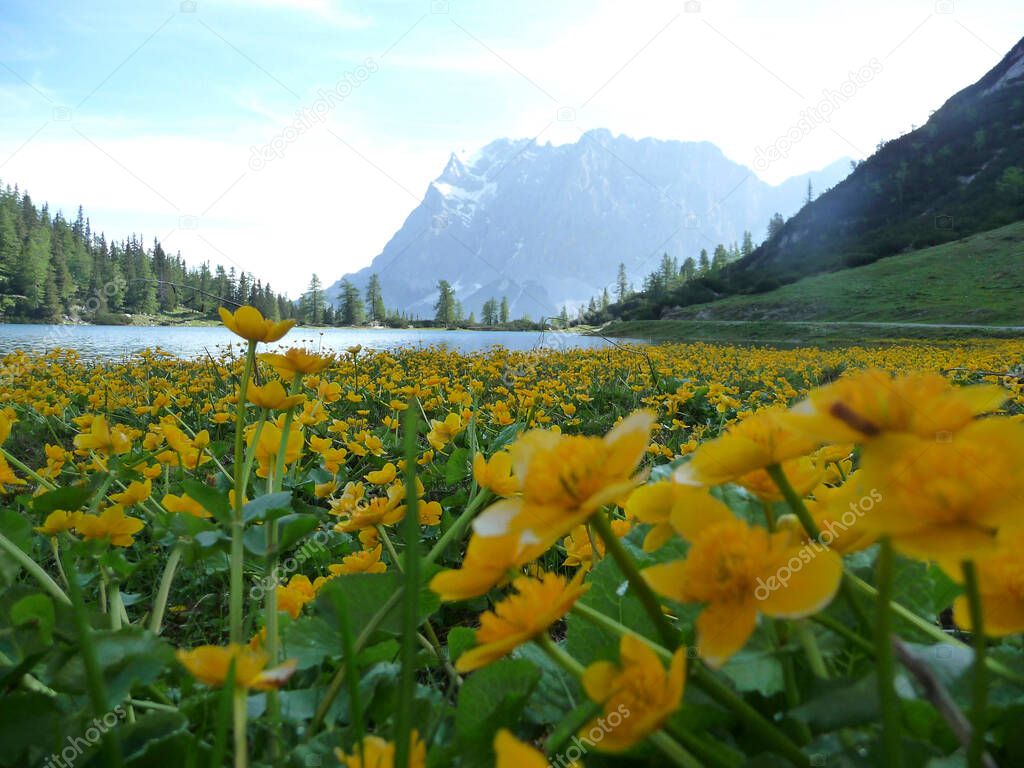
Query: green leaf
x=557 y=691
x=505 y=437
x=261 y=508
x=70 y=498
x=27 y=720
x=841 y=704
x=292 y=528
x=35 y=609
x=310 y=640
x=365 y=594
x=457 y=467
x=756 y=669
x=493 y=697
x=155 y=739
x=19 y=531
x=460 y=640
x=129 y=656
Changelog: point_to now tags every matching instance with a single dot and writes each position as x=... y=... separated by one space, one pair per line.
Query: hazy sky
x=158 y=117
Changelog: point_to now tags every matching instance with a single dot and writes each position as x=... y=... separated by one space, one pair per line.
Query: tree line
x=659 y=284
x=52 y=269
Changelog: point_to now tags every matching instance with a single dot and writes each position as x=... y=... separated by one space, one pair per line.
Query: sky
x=287 y=137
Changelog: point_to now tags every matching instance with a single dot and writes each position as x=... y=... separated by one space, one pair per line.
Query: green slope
x=977 y=280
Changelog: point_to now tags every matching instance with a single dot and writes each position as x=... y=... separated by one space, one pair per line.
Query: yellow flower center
x=724 y=562
x=569 y=474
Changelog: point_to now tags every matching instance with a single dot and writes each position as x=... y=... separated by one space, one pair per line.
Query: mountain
x=959 y=174
x=548 y=225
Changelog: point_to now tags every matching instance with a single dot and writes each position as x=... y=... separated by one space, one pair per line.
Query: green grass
x=977 y=280
x=792 y=334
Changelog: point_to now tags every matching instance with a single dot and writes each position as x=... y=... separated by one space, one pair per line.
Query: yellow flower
x=737 y=571
x=272 y=397
x=802 y=473
x=429 y=512
x=637 y=695
x=364 y=561
x=496 y=474
x=135 y=493
x=103 y=439
x=565 y=479
x=760 y=440
x=294 y=361
x=382 y=476
x=512 y=753
x=443 y=432
x=945 y=498
x=185 y=504
x=270 y=443
x=521 y=617
x=209 y=664
x=870 y=403
x=248 y=323
x=378 y=753
x=7 y=418
x=838 y=512
x=112 y=523
x=487 y=563
x=579 y=544
x=653 y=504
x=59 y=521
x=293 y=596
x=1001 y=585
x=379 y=510
x=7 y=476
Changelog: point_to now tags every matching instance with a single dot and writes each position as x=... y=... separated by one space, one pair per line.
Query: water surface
x=111 y=342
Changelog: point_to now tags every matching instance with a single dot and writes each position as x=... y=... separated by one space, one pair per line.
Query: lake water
x=117 y=341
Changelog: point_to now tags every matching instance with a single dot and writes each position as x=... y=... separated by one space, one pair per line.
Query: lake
x=117 y=341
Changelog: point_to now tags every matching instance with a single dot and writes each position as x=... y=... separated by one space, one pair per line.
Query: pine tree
x=375 y=310
x=688 y=270
x=350 y=310
x=312 y=302
x=720 y=259
x=775 y=225
x=445 y=308
x=703 y=263
x=748 y=244
x=621 y=284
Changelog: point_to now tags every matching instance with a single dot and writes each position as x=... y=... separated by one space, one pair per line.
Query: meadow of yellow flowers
x=676 y=555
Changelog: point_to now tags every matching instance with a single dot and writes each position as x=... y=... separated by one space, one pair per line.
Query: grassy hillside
x=977 y=280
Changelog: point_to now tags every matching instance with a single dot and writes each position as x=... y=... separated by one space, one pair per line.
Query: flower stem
x=160 y=602
x=934 y=632
x=237 y=551
x=93 y=672
x=411 y=597
x=560 y=657
x=650 y=602
x=885 y=661
x=34 y=569
x=979 y=682
x=240 y=710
